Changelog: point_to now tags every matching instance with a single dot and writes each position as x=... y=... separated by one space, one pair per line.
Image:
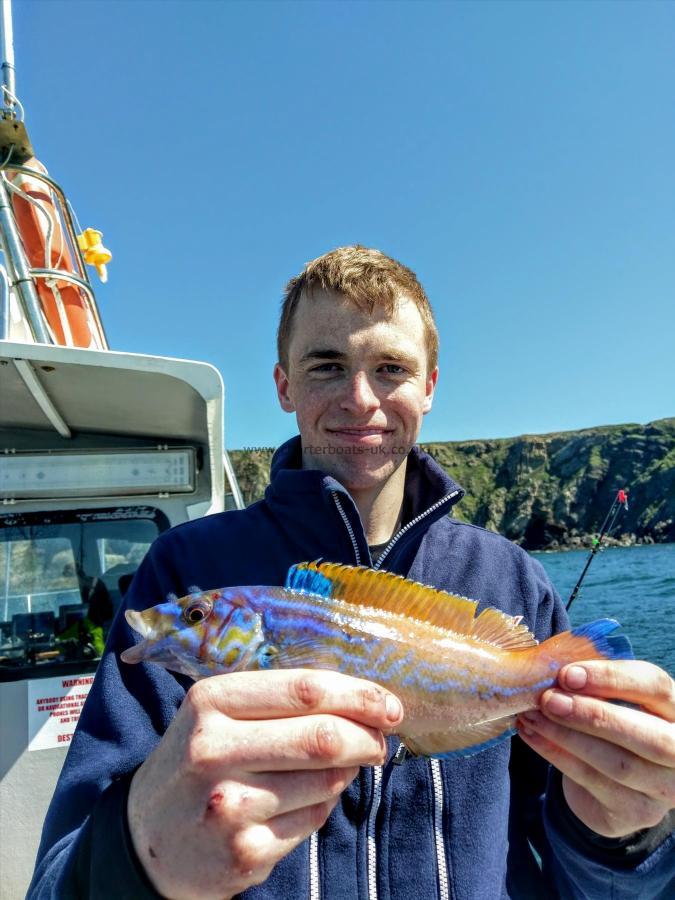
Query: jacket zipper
x=371 y=843
x=348 y=526
x=314 y=885
x=412 y=523
x=443 y=881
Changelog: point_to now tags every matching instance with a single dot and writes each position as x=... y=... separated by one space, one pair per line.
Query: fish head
x=201 y=634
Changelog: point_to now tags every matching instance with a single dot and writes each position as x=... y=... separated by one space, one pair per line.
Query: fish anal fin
x=502 y=630
x=461 y=741
x=383 y=590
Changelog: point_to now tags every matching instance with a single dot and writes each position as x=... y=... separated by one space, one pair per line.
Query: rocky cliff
x=551 y=490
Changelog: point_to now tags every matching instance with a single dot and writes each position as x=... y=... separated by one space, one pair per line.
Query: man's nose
x=360 y=396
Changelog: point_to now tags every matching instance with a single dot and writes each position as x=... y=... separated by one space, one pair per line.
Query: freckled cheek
x=312 y=405
x=407 y=407
x=310 y=409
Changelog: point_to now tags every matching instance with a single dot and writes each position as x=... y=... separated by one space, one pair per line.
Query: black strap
x=107 y=867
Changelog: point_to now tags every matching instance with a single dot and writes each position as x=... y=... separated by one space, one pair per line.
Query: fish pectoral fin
x=461 y=741
x=304 y=654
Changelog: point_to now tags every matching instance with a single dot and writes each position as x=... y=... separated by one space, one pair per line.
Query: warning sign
x=54 y=706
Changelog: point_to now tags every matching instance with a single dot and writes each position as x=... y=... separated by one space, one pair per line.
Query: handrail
x=83 y=280
x=4 y=305
x=19 y=269
x=62 y=275
x=64 y=206
x=233 y=484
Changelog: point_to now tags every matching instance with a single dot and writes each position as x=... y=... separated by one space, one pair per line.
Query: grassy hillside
x=550 y=490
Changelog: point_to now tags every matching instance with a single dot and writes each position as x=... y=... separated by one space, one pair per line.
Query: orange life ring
x=65 y=306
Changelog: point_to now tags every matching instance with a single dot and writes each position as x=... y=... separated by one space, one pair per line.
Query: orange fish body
x=462 y=678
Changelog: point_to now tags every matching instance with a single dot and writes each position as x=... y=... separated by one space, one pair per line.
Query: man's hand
x=618 y=763
x=251 y=765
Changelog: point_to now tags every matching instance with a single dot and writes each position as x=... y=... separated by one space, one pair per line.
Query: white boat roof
x=111 y=392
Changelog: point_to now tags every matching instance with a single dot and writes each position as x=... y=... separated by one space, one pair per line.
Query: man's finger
x=639 y=732
x=306 y=742
x=634 y=681
x=265 y=844
x=298 y=692
x=609 y=808
x=257 y=848
x=264 y=795
x=611 y=760
x=601 y=787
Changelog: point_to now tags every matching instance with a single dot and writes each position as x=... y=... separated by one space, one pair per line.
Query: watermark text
x=331 y=450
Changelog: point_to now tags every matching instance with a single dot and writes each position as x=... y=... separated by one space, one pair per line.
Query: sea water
x=635 y=585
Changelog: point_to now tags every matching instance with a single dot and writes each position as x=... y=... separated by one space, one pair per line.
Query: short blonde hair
x=368 y=278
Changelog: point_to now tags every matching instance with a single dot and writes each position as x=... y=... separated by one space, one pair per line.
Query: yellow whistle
x=95 y=254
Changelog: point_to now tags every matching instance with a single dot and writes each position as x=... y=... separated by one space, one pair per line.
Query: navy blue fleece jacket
x=460 y=829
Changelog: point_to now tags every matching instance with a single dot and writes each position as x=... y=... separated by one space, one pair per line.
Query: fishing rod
x=621 y=500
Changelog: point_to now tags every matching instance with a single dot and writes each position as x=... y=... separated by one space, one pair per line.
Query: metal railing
x=4 y=304
x=23 y=276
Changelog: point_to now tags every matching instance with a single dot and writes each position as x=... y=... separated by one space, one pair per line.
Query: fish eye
x=197 y=611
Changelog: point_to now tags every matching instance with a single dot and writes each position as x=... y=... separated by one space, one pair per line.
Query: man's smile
x=363 y=433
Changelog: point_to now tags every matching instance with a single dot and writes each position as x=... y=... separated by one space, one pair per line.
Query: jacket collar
x=309 y=495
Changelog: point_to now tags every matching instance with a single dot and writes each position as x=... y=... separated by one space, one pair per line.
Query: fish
x=462 y=678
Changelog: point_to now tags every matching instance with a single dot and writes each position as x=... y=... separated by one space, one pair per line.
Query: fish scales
x=435 y=676
x=461 y=677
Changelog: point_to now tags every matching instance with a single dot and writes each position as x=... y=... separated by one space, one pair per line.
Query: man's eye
x=327 y=367
x=393 y=369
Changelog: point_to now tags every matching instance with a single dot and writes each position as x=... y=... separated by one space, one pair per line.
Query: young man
x=270 y=784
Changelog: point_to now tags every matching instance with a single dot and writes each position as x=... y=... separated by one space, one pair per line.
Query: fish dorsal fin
x=383 y=590
x=308 y=579
x=504 y=631
x=393 y=593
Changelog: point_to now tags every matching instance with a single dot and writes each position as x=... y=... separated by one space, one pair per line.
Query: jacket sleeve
x=86 y=850
x=577 y=863
x=585 y=865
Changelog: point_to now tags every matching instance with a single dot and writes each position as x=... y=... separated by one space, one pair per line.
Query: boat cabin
x=100 y=451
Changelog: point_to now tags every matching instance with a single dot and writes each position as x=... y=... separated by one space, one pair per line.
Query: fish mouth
x=138 y=622
x=145 y=649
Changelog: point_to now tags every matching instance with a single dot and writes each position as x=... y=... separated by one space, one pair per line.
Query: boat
x=100 y=451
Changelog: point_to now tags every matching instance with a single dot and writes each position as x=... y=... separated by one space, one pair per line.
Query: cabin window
x=62 y=579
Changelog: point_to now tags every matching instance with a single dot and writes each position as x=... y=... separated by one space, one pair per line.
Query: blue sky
x=518 y=156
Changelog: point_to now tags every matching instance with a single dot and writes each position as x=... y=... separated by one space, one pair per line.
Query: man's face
x=358 y=385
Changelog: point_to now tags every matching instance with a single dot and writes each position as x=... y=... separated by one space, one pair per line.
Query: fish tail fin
x=592 y=641
x=599 y=633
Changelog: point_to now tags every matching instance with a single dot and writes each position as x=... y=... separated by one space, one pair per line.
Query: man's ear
x=281 y=381
x=430 y=387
